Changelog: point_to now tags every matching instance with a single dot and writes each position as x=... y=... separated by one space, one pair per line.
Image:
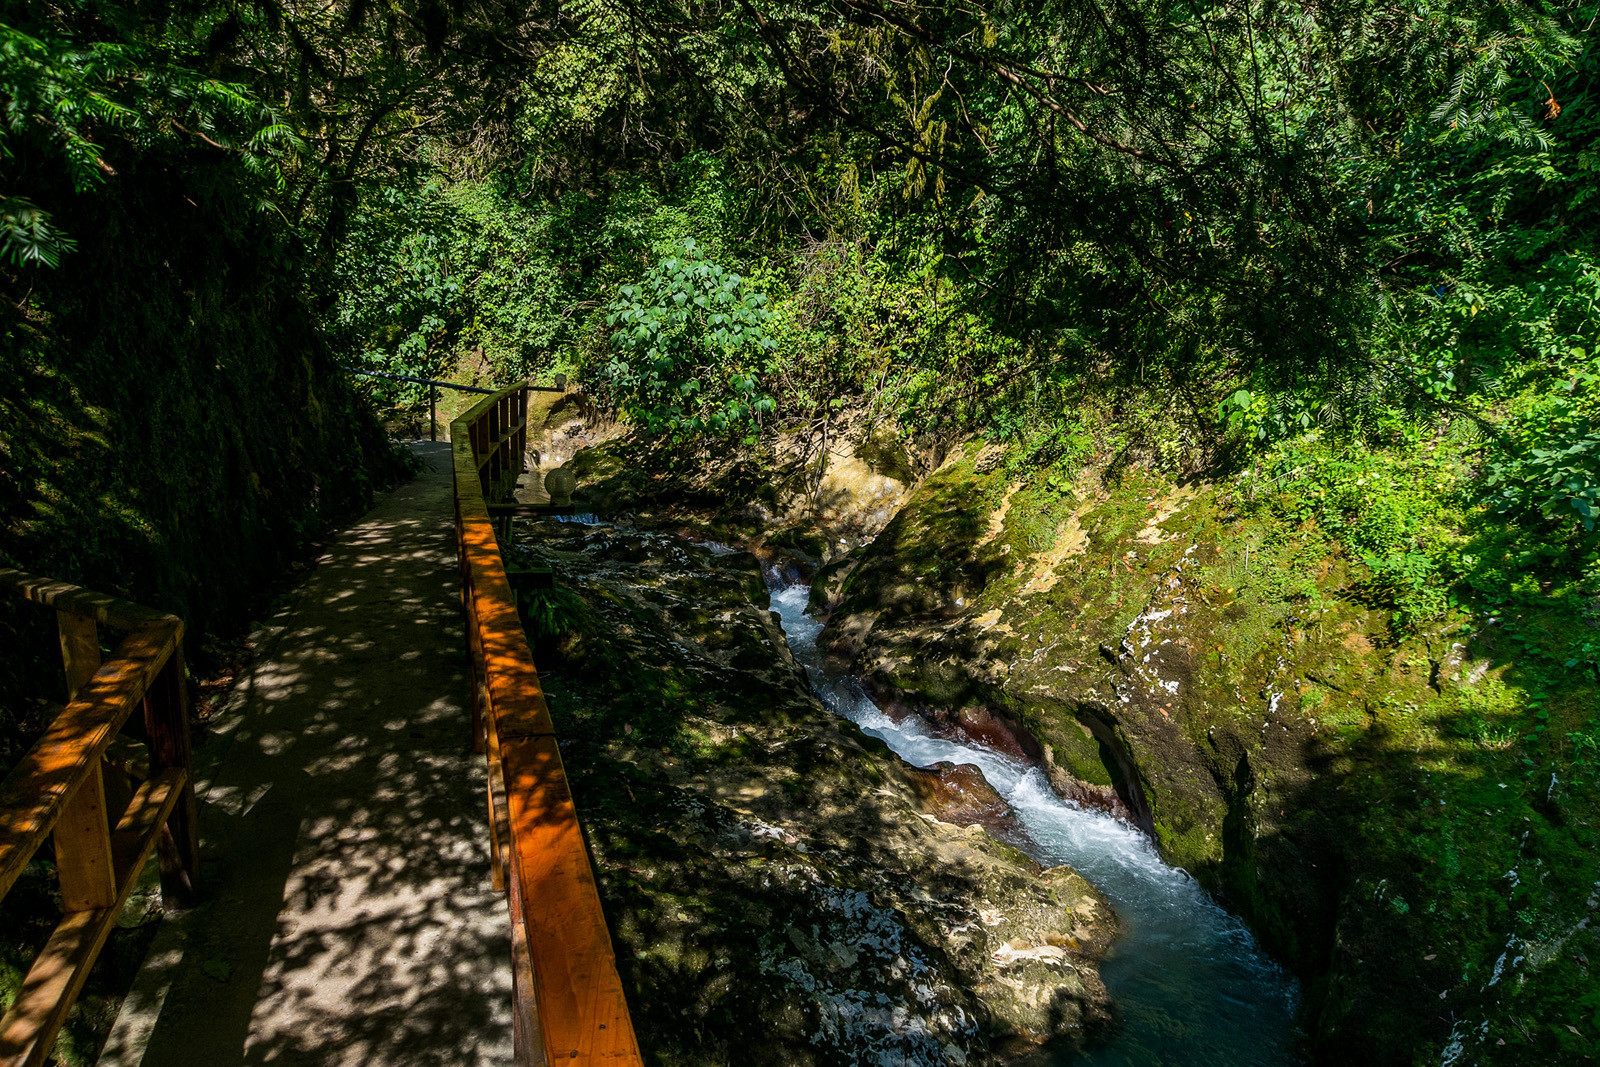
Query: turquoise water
x=1191 y=985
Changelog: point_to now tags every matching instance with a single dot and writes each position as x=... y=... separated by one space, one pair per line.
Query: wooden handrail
x=569 y=1005
x=105 y=824
x=434 y=385
x=103 y=609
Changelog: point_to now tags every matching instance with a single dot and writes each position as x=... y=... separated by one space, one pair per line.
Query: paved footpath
x=346 y=914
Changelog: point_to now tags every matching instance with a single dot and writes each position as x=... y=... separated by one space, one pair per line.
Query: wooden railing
x=433 y=384
x=569 y=1002
x=107 y=803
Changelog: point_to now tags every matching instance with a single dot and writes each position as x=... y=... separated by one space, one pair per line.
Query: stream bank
x=1190 y=984
x=780 y=888
x=1178 y=655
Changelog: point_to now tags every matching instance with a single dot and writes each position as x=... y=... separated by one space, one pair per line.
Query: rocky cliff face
x=781 y=889
x=1222 y=682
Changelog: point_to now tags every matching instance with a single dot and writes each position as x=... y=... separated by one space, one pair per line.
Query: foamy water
x=1191 y=985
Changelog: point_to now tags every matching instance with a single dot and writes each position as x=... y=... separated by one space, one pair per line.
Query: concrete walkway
x=346 y=913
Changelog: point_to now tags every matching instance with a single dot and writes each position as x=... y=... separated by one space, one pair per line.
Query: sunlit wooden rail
x=569 y=1005
x=106 y=803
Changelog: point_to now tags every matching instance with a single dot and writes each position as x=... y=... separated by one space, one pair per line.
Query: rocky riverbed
x=782 y=890
x=1237 y=686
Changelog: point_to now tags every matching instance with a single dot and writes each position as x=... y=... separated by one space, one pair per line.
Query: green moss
x=1340 y=768
x=1074 y=747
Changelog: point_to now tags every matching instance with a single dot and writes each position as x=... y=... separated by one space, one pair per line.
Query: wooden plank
x=569 y=1002
x=83 y=847
x=499 y=827
x=35 y=793
x=480 y=693
x=166 y=720
x=63 y=596
x=28 y=1030
x=581 y=1005
x=527 y=1035
x=140 y=826
x=82 y=834
x=509 y=674
x=499 y=811
x=474 y=659
x=80 y=648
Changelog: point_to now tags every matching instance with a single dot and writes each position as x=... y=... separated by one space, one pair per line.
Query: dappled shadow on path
x=348 y=915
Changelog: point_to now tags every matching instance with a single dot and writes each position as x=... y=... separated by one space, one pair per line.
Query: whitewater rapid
x=1190 y=983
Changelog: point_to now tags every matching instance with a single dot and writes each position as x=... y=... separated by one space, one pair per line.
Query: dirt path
x=347 y=914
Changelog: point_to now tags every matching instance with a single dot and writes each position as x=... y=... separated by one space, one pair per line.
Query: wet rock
x=958 y=794
x=783 y=890
x=1098 y=797
x=827 y=584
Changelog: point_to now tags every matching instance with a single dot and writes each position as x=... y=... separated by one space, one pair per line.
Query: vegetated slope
x=173 y=427
x=1407 y=811
x=175 y=430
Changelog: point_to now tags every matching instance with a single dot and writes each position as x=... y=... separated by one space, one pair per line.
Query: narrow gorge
x=1162 y=691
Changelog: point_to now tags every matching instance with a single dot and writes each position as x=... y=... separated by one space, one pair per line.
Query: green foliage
x=1585 y=747
x=689 y=349
x=1266 y=415
x=70 y=99
x=549 y=612
x=463 y=280
x=27 y=235
x=401 y=278
x=1410 y=583
x=1550 y=466
x=1395 y=510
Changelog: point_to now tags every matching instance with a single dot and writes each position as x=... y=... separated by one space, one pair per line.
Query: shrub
x=689 y=349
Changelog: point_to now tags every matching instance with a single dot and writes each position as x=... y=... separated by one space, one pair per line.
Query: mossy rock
x=1265 y=720
x=772 y=874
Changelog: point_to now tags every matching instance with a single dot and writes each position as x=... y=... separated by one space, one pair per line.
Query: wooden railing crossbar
x=434 y=385
x=104 y=823
x=569 y=1005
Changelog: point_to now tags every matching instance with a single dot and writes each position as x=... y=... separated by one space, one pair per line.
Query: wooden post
x=80 y=649
x=83 y=833
x=504 y=447
x=522 y=434
x=166 y=720
x=83 y=848
x=475 y=435
x=490 y=441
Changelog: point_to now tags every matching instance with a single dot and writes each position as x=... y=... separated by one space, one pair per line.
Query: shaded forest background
x=1343 y=253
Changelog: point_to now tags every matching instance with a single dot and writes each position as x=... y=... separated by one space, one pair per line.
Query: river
x=1191 y=985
